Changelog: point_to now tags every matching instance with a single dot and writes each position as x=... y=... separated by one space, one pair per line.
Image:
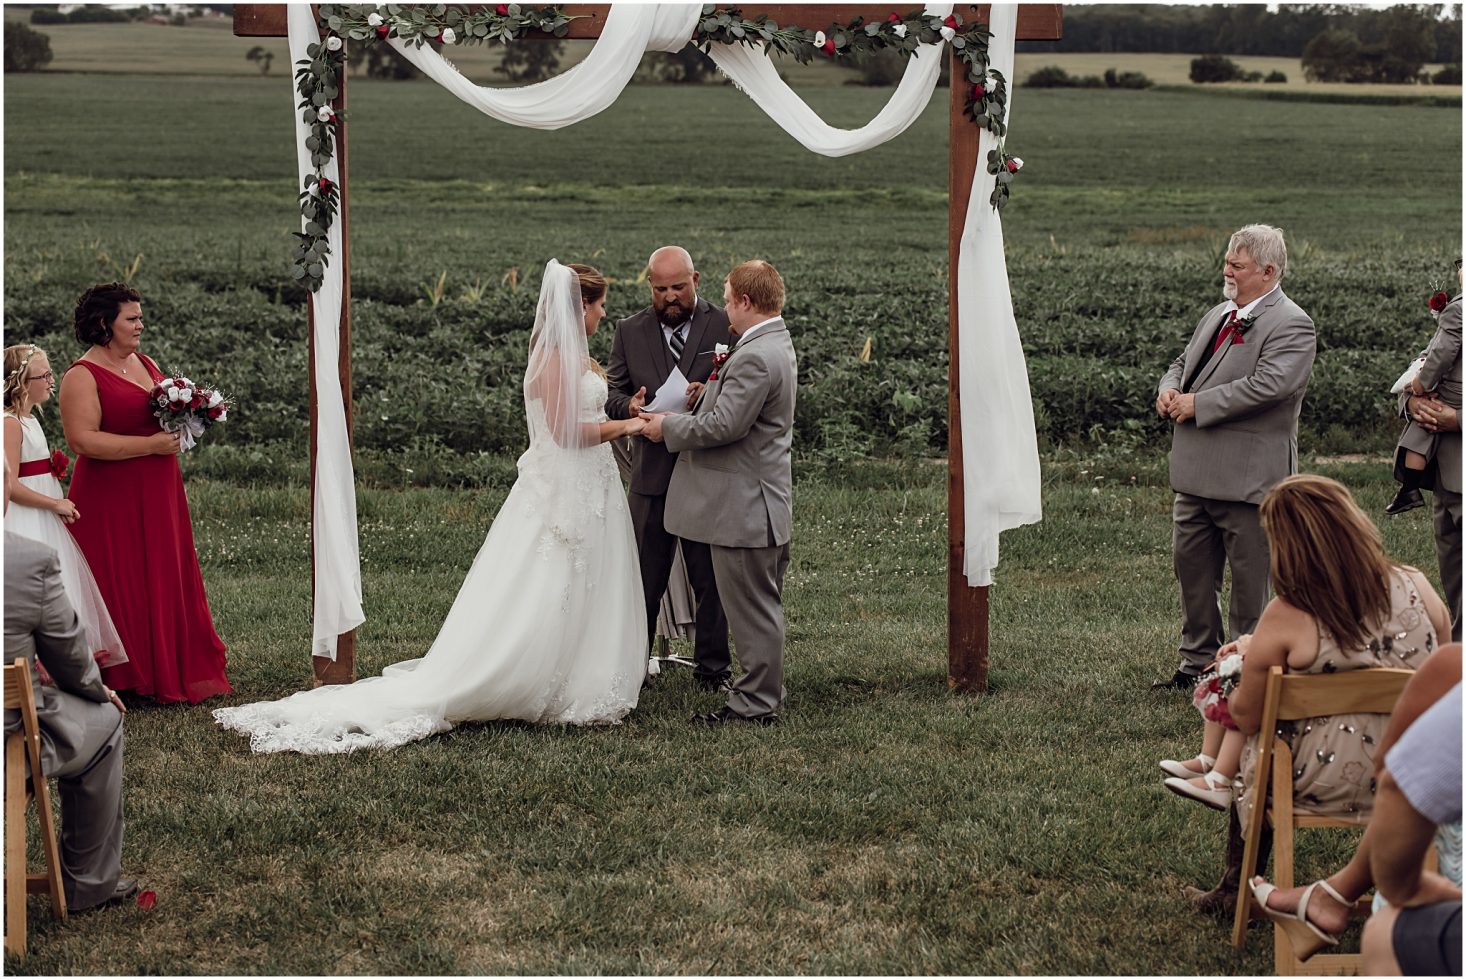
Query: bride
x=549 y=626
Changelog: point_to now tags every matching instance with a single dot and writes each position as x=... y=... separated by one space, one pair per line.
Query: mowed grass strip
x=887 y=827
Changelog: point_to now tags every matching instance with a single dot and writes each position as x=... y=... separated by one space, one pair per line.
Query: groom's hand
x=653 y=430
x=633 y=407
x=693 y=390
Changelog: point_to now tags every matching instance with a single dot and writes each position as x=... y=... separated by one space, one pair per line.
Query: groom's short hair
x=761 y=283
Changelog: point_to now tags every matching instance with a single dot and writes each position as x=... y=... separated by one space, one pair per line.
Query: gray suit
x=81 y=730
x=733 y=487
x=1441 y=373
x=640 y=358
x=1243 y=440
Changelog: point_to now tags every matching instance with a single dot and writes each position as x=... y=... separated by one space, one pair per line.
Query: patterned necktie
x=1228 y=328
x=677 y=340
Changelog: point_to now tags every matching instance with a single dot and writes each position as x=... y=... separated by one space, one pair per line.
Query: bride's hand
x=634 y=426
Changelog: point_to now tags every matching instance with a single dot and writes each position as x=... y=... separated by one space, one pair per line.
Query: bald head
x=673 y=282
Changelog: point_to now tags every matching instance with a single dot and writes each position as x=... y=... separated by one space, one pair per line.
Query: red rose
x=951 y=21
x=502 y=10
x=1012 y=166
x=829 y=47
x=895 y=18
x=60 y=463
x=383 y=30
x=146 y=900
x=1439 y=302
x=978 y=91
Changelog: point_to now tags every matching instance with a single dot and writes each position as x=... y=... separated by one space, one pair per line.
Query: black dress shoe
x=726 y=716
x=714 y=685
x=1179 y=681
x=1218 y=901
x=126 y=890
x=1408 y=498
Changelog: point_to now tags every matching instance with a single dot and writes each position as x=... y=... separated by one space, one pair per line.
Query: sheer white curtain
x=1001 y=484
x=999 y=444
x=337 y=607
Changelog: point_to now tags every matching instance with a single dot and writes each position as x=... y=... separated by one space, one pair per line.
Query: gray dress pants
x=90 y=788
x=751 y=585
x=1447 y=519
x=1207 y=535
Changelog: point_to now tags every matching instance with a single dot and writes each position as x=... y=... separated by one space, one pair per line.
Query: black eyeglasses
x=48 y=377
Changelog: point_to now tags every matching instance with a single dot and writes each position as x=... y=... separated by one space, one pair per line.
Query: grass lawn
x=888 y=827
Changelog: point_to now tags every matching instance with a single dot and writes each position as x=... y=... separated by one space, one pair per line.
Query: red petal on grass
x=146 y=900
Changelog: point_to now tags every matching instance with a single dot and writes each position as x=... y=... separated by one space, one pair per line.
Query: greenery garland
x=317 y=76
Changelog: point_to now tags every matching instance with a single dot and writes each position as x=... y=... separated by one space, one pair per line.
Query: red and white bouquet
x=1214 y=688
x=187 y=408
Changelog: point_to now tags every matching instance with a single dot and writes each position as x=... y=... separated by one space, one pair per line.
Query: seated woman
x=1340 y=604
x=1314 y=915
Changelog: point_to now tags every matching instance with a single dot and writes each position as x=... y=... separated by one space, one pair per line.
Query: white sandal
x=1179 y=769
x=1217 y=794
x=1305 y=937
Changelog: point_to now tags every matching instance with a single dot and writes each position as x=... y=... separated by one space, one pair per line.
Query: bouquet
x=1213 y=689
x=187 y=408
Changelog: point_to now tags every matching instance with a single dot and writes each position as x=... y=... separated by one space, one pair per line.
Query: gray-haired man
x=1233 y=398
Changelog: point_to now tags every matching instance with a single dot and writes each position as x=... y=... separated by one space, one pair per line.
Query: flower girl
x=38 y=505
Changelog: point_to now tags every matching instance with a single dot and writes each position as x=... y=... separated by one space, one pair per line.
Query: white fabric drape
x=337 y=607
x=1001 y=484
x=753 y=72
x=584 y=89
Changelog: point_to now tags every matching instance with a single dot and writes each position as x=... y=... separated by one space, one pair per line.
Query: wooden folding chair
x=1290 y=697
x=18 y=795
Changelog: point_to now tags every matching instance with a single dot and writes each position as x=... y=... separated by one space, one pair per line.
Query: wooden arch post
x=967 y=607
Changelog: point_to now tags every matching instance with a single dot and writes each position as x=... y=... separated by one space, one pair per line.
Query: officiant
x=660 y=359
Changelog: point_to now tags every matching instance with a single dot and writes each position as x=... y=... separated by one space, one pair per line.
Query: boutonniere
x=720 y=354
x=1241 y=325
x=60 y=463
x=1438 y=302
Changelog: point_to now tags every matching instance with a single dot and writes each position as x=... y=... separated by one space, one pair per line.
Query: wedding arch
x=993 y=474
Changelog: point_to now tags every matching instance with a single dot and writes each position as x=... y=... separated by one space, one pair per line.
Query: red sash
x=36 y=467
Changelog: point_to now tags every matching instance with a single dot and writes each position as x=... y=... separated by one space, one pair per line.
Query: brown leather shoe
x=1218 y=901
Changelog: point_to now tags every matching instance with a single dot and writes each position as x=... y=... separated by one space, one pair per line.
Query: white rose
x=375 y=20
x=215 y=398
x=948 y=33
x=900 y=30
x=222 y=415
x=333 y=43
x=324 y=113
x=1230 y=665
x=448 y=36
x=720 y=348
x=819 y=39
x=1018 y=162
x=185 y=394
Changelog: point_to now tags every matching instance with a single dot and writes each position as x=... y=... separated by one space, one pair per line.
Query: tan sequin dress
x=1333 y=756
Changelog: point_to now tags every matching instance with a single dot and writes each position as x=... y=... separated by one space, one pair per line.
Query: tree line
x=1413 y=30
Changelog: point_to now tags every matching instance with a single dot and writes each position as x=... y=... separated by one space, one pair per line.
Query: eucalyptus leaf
x=316 y=269
x=298 y=272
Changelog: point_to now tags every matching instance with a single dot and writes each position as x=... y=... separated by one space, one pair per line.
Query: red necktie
x=1226 y=332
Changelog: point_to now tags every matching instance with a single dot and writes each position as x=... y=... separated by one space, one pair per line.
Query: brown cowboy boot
x=1222 y=899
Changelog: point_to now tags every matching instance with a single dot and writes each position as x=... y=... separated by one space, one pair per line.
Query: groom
x=732 y=486
x=676 y=333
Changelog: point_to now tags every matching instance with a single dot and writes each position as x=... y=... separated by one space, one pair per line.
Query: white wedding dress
x=549 y=626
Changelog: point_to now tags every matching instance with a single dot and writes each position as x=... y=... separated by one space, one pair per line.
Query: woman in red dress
x=135 y=529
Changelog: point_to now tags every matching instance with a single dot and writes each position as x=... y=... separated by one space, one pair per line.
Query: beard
x=1229 y=289
x=672 y=313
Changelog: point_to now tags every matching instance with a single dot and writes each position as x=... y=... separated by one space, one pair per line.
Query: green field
x=888 y=827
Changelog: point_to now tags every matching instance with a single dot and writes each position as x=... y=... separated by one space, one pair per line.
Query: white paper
x=672 y=396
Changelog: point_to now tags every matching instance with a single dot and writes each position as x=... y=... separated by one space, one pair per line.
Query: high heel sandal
x=1217 y=794
x=1305 y=937
x=1179 y=769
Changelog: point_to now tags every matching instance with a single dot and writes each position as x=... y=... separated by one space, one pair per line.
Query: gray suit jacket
x=41 y=624
x=640 y=358
x=1441 y=372
x=1244 y=438
x=733 y=485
